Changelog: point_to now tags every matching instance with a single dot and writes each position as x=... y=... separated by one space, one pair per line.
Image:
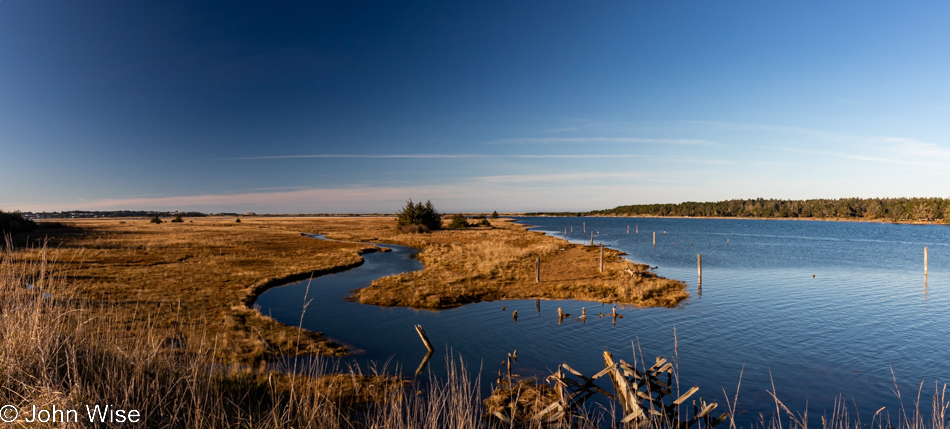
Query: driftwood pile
x=645 y=397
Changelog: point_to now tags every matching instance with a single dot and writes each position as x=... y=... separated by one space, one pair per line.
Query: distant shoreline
x=856 y=220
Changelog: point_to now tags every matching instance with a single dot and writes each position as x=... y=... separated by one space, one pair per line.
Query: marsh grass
x=466 y=266
x=57 y=353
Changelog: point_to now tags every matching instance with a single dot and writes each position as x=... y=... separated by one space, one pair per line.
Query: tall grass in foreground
x=61 y=351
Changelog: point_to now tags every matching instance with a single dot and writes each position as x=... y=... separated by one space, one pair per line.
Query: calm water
x=867 y=311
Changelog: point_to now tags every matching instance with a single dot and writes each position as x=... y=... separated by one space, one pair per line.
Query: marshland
x=208 y=313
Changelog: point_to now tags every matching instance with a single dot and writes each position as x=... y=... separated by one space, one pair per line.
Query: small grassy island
x=498 y=263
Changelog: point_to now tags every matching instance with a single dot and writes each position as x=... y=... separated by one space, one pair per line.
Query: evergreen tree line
x=419 y=217
x=894 y=209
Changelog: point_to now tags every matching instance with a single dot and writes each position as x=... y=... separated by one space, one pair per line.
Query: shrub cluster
x=13 y=223
x=458 y=222
x=419 y=217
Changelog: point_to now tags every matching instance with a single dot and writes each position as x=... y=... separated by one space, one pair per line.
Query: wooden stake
x=628 y=229
x=537 y=305
x=537 y=270
x=699 y=266
x=925 y=261
x=425 y=339
x=514 y=315
x=654 y=239
x=638 y=229
x=601 y=257
x=585 y=227
x=572 y=229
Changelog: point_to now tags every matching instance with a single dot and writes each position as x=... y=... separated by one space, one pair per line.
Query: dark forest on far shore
x=888 y=209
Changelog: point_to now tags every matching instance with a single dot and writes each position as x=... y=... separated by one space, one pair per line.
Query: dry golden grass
x=482 y=264
x=195 y=279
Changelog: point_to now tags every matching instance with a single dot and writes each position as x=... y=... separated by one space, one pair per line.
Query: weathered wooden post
x=425 y=339
x=699 y=266
x=628 y=229
x=514 y=316
x=638 y=229
x=537 y=305
x=585 y=227
x=601 y=257
x=727 y=242
x=572 y=229
x=565 y=231
x=592 y=238
x=654 y=239
x=925 y=261
x=537 y=270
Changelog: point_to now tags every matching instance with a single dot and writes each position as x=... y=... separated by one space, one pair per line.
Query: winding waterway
x=826 y=310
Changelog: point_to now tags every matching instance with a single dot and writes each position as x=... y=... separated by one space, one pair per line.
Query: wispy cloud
x=878 y=149
x=560 y=178
x=621 y=140
x=431 y=156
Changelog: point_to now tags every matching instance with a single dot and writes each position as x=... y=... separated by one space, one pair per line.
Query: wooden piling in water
x=699 y=266
x=628 y=229
x=537 y=305
x=514 y=315
x=592 y=238
x=638 y=229
x=572 y=229
x=425 y=339
x=925 y=261
x=585 y=227
x=654 y=239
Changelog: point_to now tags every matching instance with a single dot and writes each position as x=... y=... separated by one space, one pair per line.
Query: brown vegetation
x=195 y=279
x=486 y=264
x=59 y=354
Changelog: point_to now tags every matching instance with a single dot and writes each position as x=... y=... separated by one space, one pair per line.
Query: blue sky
x=510 y=106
